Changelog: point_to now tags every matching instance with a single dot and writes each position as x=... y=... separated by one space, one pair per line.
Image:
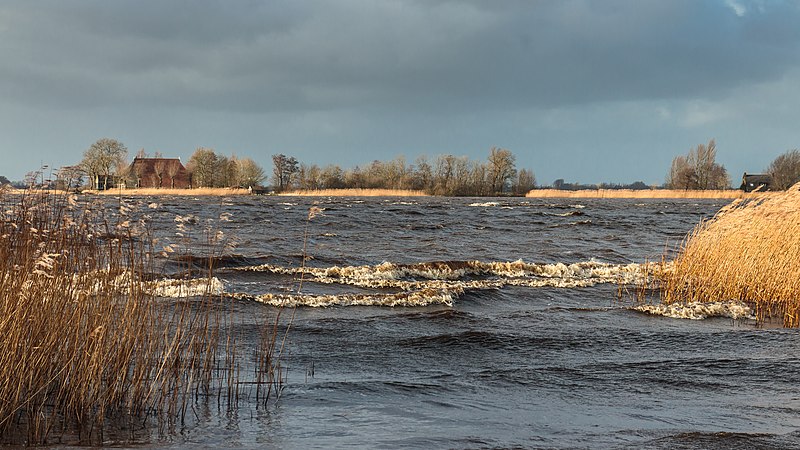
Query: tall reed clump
x=747 y=252
x=83 y=342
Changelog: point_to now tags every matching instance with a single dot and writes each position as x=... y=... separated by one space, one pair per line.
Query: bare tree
x=250 y=173
x=332 y=177
x=479 y=179
x=785 y=169
x=423 y=174
x=102 y=158
x=225 y=171
x=525 y=181
x=444 y=175
x=698 y=170
x=202 y=164
x=501 y=168
x=283 y=171
x=681 y=175
x=309 y=177
x=68 y=178
x=172 y=172
x=160 y=167
x=136 y=173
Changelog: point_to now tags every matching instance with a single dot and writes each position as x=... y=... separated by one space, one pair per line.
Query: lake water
x=478 y=353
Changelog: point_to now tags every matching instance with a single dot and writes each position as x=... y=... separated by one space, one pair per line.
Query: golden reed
x=357 y=193
x=630 y=193
x=85 y=347
x=748 y=252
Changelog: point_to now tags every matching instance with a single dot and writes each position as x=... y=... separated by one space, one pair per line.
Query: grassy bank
x=629 y=193
x=748 y=252
x=221 y=192
x=357 y=193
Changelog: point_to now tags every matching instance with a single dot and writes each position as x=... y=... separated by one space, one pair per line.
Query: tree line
x=106 y=159
x=207 y=168
x=699 y=170
x=447 y=175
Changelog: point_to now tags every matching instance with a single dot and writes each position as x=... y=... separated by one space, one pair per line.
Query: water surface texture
x=511 y=334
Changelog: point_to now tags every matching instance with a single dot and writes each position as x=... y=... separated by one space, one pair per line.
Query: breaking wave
x=423 y=297
x=401 y=285
x=438 y=282
x=185 y=288
x=390 y=274
x=700 y=310
x=169 y=287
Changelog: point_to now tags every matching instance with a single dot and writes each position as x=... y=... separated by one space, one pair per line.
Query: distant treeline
x=564 y=186
x=446 y=175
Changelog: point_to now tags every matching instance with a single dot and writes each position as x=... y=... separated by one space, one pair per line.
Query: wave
x=438 y=282
x=566 y=214
x=425 y=297
x=389 y=273
x=399 y=285
x=700 y=310
x=572 y=224
x=198 y=287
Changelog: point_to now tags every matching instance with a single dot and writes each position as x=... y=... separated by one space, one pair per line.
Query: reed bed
x=85 y=346
x=748 y=252
x=357 y=193
x=643 y=194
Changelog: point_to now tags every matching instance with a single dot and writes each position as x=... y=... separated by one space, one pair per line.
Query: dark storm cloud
x=402 y=55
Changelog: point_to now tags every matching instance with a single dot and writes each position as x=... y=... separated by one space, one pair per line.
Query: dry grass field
x=643 y=194
x=357 y=193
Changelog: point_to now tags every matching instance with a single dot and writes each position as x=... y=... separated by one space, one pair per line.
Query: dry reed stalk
x=643 y=194
x=83 y=340
x=356 y=193
x=747 y=252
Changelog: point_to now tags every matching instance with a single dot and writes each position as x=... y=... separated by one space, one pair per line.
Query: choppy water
x=508 y=332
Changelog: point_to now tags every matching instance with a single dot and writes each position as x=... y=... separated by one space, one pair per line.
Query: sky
x=586 y=91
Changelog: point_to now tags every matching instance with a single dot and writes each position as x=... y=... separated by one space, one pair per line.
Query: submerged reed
x=748 y=252
x=85 y=340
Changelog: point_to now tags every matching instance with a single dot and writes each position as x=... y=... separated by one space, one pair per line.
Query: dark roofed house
x=158 y=173
x=756 y=181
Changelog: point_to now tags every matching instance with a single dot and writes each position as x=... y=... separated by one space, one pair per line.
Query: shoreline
x=213 y=192
x=355 y=193
x=729 y=194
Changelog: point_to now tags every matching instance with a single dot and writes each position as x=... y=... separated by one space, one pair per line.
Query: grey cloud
x=405 y=55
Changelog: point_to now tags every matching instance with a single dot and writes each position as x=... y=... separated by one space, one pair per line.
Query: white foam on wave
x=425 y=297
x=733 y=309
x=484 y=204
x=185 y=288
x=441 y=282
x=388 y=274
x=166 y=287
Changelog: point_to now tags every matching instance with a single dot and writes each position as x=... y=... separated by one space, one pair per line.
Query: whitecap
x=733 y=309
